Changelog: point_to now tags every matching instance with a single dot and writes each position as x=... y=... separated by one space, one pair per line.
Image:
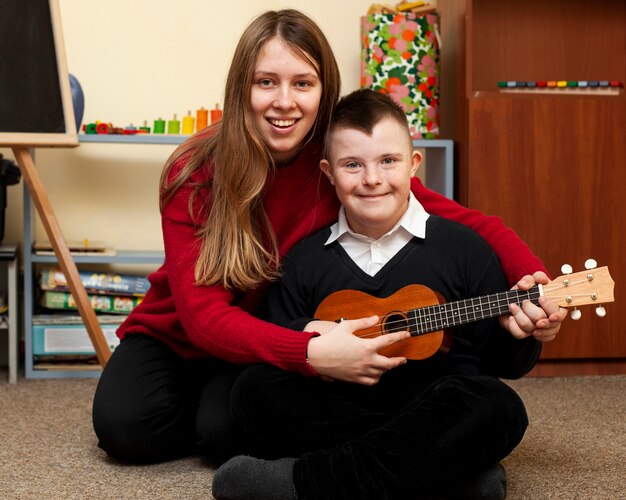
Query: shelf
x=121 y=257
x=439 y=164
x=494 y=94
x=132 y=139
x=31 y=259
x=538 y=40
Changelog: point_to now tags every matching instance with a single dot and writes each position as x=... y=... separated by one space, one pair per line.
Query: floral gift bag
x=400 y=57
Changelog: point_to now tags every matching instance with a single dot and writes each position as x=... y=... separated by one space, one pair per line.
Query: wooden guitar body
x=392 y=311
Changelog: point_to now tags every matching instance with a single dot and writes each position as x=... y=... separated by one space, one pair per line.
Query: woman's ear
x=327 y=169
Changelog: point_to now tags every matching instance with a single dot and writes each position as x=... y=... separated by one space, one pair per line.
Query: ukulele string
x=436 y=315
x=467 y=309
x=557 y=286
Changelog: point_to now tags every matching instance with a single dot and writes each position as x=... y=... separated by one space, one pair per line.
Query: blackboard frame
x=68 y=137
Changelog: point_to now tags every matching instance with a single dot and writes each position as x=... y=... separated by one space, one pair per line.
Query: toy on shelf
x=190 y=124
x=173 y=125
x=563 y=87
x=202 y=119
x=216 y=114
x=159 y=126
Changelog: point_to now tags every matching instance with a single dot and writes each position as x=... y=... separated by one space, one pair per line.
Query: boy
x=430 y=427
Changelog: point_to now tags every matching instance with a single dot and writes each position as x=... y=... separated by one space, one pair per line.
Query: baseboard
x=577 y=367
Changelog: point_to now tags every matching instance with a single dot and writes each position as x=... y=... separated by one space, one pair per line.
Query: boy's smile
x=372 y=174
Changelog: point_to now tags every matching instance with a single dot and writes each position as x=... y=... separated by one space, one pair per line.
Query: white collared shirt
x=370 y=254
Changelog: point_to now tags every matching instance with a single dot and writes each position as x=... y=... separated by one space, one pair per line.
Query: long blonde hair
x=239 y=248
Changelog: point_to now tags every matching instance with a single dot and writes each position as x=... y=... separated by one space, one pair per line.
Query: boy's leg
x=286 y=414
x=452 y=432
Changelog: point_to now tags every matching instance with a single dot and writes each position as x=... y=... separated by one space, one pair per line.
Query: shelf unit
x=439 y=176
x=30 y=259
x=552 y=166
x=439 y=164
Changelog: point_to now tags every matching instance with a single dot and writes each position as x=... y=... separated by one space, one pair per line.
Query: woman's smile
x=285 y=98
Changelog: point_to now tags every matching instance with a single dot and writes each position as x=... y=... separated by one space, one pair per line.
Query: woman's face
x=285 y=98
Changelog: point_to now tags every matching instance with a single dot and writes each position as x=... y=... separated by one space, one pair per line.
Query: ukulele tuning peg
x=590 y=264
x=600 y=312
x=566 y=269
x=575 y=314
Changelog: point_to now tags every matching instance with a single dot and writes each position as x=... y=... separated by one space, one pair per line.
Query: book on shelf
x=53 y=279
x=85 y=247
x=69 y=340
x=117 y=304
x=66 y=365
x=73 y=318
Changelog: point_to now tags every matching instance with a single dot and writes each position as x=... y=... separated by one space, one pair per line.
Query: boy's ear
x=326 y=168
x=416 y=161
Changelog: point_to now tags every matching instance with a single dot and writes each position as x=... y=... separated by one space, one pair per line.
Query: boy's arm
x=515 y=256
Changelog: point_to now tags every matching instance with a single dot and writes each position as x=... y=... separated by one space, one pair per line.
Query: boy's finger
x=390 y=338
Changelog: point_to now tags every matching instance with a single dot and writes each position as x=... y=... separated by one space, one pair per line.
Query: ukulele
x=425 y=314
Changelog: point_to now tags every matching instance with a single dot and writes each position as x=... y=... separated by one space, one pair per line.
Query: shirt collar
x=413 y=221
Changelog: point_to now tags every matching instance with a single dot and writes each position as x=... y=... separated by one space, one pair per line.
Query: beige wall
x=138 y=60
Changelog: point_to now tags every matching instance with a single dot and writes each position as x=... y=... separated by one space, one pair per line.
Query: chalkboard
x=35 y=99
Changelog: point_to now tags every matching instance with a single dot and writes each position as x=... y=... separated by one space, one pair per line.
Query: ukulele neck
x=441 y=316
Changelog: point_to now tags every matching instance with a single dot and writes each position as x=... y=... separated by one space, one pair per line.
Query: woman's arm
x=214 y=319
x=516 y=258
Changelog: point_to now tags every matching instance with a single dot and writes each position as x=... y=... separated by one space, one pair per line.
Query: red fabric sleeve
x=209 y=315
x=515 y=256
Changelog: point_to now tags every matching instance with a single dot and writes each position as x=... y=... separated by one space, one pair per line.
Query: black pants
x=151 y=405
x=406 y=437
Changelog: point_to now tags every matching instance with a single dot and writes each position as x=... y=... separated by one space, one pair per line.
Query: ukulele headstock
x=593 y=286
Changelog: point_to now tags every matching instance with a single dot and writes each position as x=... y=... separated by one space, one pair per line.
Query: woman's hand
x=542 y=322
x=338 y=354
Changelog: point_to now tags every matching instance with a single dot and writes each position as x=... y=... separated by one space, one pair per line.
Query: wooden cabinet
x=552 y=166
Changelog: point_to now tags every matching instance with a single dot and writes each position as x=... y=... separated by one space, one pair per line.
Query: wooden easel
x=62 y=252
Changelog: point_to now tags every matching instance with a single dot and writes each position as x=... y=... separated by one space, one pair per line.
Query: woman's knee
x=139 y=417
x=218 y=435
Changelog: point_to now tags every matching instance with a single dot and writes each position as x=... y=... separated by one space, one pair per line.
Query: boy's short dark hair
x=362 y=110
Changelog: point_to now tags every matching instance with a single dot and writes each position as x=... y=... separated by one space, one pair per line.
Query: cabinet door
x=554 y=168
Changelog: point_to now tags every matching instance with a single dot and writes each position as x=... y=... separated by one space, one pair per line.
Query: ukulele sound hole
x=395 y=322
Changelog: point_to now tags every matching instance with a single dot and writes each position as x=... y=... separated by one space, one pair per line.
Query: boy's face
x=372 y=175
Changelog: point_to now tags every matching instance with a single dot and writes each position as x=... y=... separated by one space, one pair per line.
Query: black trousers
x=406 y=437
x=151 y=405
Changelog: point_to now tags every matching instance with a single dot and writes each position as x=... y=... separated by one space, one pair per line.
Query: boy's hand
x=320 y=326
x=340 y=355
x=542 y=322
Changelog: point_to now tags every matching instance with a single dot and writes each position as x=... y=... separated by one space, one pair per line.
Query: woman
x=234 y=199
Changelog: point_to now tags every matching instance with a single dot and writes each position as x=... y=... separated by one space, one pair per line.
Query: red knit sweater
x=200 y=321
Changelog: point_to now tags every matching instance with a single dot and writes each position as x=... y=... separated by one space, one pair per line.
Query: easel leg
x=67 y=264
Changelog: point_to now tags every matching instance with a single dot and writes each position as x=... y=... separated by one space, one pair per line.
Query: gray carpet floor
x=575 y=447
